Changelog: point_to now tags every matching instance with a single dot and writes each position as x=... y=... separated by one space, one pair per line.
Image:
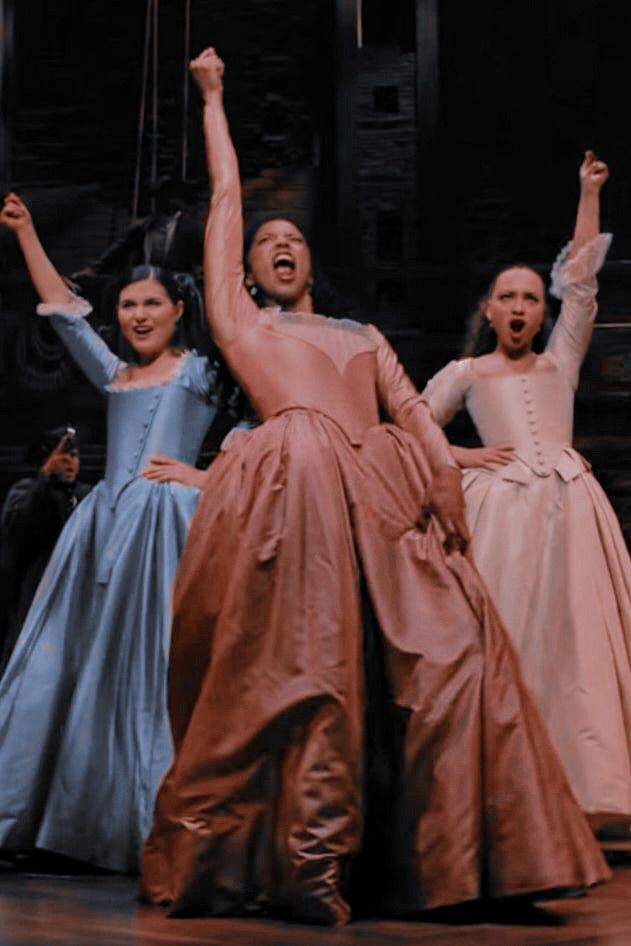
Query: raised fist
x=593 y=173
x=208 y=70
x=14 y=214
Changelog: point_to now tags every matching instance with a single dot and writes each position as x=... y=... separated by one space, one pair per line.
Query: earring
x=253 y=290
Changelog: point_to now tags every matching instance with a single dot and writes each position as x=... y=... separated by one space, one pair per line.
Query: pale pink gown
x=550 y=548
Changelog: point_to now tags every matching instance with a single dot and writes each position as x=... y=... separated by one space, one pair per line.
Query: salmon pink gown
x=348 y=713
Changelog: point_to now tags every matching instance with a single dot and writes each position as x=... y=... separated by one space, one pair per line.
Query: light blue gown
x=84 y=736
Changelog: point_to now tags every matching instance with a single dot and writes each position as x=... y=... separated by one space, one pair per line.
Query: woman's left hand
x=446 y=502
x=593 y=173
x=161 y=469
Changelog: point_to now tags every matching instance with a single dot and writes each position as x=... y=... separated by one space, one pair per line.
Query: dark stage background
x=448 y=143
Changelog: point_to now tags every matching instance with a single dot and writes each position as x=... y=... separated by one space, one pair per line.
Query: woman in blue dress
x=84 y=735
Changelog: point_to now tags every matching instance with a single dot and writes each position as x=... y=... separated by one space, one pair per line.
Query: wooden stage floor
x=39 y=910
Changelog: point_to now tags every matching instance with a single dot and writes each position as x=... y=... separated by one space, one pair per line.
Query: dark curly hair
x=191 y=330
x=326 y=298
x=480 y=338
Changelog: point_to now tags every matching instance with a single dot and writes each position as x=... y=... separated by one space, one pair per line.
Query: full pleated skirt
x=84 y=733
x=326 y=650
x=555 y=562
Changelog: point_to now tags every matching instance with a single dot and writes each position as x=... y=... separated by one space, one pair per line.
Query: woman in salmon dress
x=545 y=537
x=348 y=716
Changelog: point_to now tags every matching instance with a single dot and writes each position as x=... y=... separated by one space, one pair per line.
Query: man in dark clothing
x=33 y=515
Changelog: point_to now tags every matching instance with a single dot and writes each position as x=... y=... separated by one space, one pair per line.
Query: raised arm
x=66 y=310
x=48 y=284
x=228 y=304
x=574 y=274
x=592 y=175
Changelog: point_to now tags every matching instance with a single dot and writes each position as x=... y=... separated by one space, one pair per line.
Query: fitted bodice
x=289 y=360
x=170 y=418
x=533 y=412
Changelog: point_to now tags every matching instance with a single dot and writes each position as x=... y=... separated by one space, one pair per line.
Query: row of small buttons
x=151 y=408
x=532 y=421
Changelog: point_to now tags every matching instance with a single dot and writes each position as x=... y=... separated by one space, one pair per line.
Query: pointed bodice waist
x=168 y=419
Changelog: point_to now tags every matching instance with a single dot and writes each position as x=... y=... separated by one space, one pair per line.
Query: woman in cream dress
x=545 y=537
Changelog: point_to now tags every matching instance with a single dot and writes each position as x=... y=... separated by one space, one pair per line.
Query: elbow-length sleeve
x=96 y=360
x=574 y=281
x=406 y=407
x=445 y=393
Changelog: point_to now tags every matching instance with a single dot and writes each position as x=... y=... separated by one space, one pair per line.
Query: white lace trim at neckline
x=178 y=366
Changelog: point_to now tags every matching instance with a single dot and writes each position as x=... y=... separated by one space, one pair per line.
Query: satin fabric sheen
x=264 y=805
x=551 y=550
x=84 y=733
x=306 y=535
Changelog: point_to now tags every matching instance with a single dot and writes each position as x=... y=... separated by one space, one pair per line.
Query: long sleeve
x=574 y=281
x=229 y=307
x=445 y=393
x=406 y=407
x=96 y=360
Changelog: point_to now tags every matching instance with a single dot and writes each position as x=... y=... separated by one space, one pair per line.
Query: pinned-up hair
x=191 y=330
x=480 y=338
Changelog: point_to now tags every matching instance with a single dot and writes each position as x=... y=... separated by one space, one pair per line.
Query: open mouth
x=516 y=325
x=142 y=330
x=284 y=263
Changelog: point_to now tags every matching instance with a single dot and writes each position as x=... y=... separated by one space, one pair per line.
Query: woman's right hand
x=483 y=458
x=162 y=469
x=208 y=70
x=15 y=214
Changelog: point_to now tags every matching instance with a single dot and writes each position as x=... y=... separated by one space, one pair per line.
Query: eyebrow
x=291 y=233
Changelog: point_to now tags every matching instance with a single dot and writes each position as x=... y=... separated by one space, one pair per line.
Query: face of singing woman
x=147 y=316
x=516 y=309
x=279 y=262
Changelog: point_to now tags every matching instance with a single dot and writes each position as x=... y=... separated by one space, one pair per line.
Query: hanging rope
x=6 y=91
x=151 y=61
x=154 y=107
x=185 y=90
x=141 y=115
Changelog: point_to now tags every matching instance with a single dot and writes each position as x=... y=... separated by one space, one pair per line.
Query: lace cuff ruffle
x=582 y=267
x=75 y=306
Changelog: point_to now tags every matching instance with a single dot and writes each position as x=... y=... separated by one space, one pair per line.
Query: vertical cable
x=185 y=89
x=7 y=101
x=154 y=105
x=142 y=111
x=359 y=23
